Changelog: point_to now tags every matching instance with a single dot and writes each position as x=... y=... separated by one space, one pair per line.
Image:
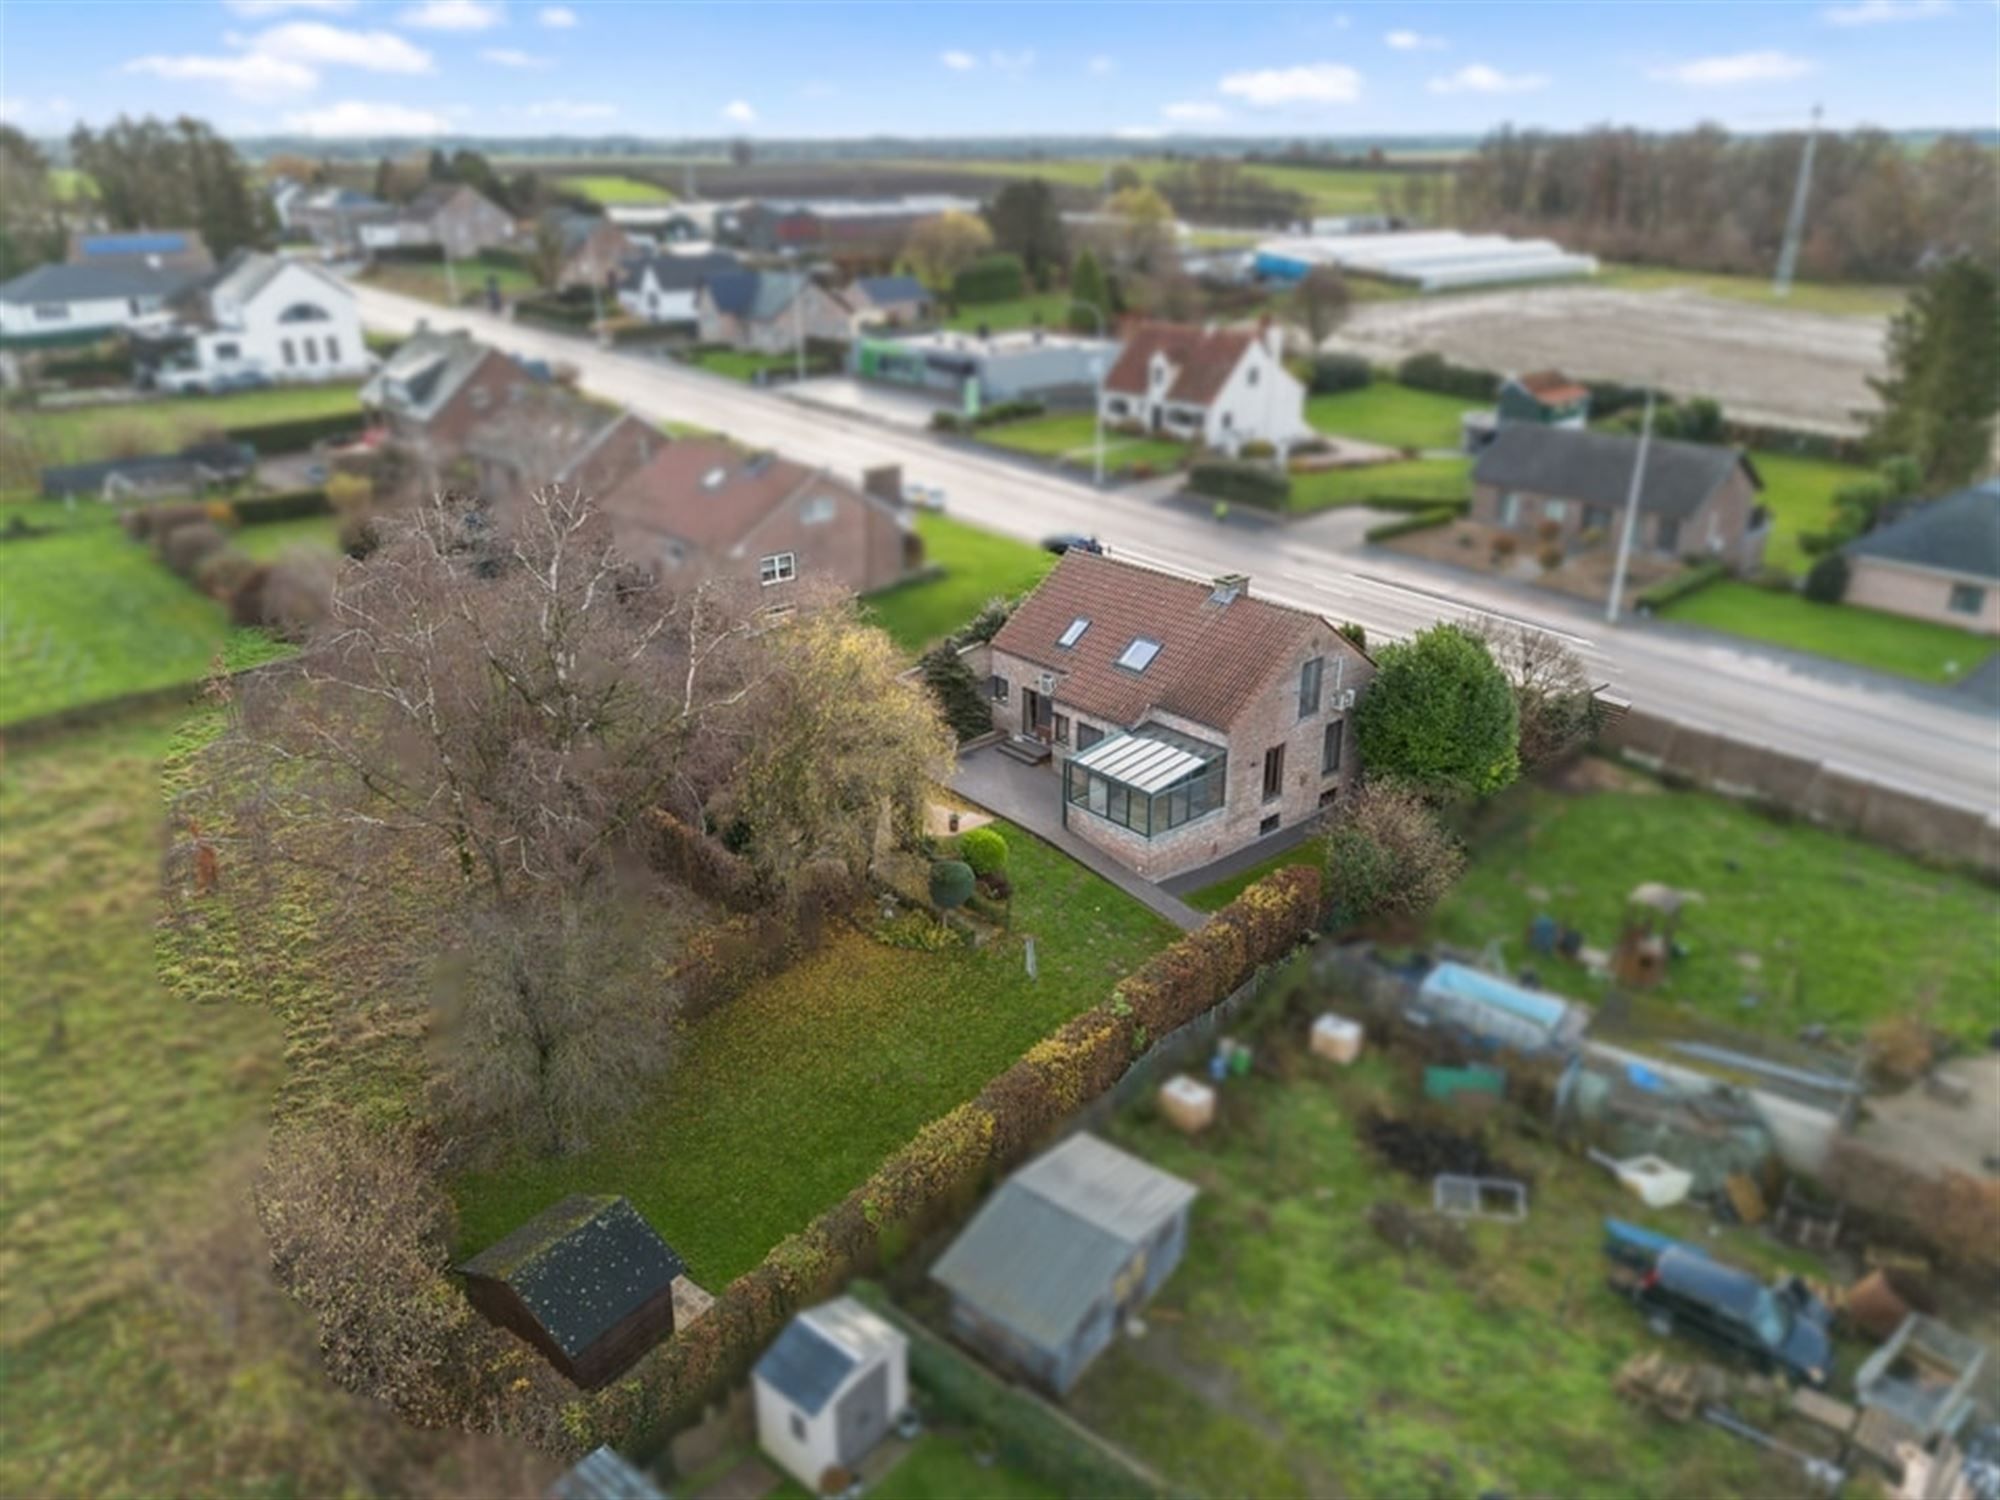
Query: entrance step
x=1028 y=752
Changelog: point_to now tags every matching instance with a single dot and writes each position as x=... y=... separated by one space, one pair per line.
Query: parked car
x=1063 y=541
x=923 y=497
x=1780 y=1329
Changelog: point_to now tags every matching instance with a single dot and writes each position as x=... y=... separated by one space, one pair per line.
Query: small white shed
x=829 y=1388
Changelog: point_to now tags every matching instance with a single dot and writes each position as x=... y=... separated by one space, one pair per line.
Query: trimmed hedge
x=296 y=432
x=555 y=312
x=1433 y=372
x=1422 y=520
x=1333 y=373
x=1234 y=479
x=1678 y=587
x=291 y=505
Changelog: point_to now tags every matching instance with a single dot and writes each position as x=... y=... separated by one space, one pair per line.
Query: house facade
x=1219 y=387
x=67 y=304
x=666 y=287
x=334 y=217
x=259 y=318
x=593 y=250
x=829 y=1388
x=437 y=387
x=1555 y=484
x=1940 y=561
x=1185 y=720
x=768 y=312
x=704 y=508
x=458 y=218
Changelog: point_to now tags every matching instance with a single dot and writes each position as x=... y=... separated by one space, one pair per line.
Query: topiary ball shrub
x=951 y=884
x=984 y=849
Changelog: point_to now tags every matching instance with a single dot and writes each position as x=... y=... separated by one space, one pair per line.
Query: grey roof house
x=1938 y=561
x=1570 y=486
x=62 y=304
x=828 y=1389
x=1060 y=1254
x=770 y=311
x=892 y=300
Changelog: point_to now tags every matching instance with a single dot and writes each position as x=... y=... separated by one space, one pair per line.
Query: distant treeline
x=1706 y=200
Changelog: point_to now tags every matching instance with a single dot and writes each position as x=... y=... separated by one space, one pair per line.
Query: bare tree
x=1321 y=299
x=1387 y=856
x=1556 y=704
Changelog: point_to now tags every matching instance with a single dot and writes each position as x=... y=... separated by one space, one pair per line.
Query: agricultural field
x=864 y=1041
x=1845 y=632
x=1294 y=1352
x=1839 y=299
x=87 y=434
x=1072 y=437
x=1439 y=479
x=1818 y=927
x=147 y=1349
x=976 y=566
x=607 y=190
x=1396 y=416
x=1330 y=190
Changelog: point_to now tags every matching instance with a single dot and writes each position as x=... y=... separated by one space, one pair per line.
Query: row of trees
x=151 y=174
x=1706 y=200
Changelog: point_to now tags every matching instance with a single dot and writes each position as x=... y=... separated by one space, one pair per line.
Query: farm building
x=1429 y=260
x=828 y=1389
x=588 y=1282
x=1061 y=1253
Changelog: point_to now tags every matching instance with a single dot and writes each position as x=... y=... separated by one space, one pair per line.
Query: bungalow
x=258 y=318
x=1061 y=1254
x=1940 y=561
x=703 y=506
x=888 y=301
x=1570 y=486
x=665 y=288
x=547 y=434
x=588 y=1282
x=437 y=387
x=458 y=218
x=1220 y=387
x=1186 y=719
x=162 y=249
x=769 y=312
x=829 y=1388
x=54 y=304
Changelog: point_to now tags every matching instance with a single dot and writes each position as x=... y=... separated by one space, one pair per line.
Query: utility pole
x=799 y=323
x=1097 y=369
x=1795 y=222
x=1631 y=513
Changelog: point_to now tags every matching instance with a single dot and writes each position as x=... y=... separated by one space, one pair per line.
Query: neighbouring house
x=1545 y=397
x=1061 y=1254
x=842 y=228
x=461 y=220
x=547 y=434
x=1569 y=487
x=64 y=304
x=1029 y=364
x=593 y=248
x=666 y=288
x=285 y=194
x=198 y=467
x=335 y=216
x=1939 y=561
x=257 y=318
x=588 y=1282
x=160 y=249
x=702 y=506
x=605 y=1474
x=1186 y=719
x=437 y=387
x=1219 y=387
x=888 y=301
x=829 y=1388
x=770 y=312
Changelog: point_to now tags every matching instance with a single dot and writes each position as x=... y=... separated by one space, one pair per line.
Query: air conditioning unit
x=1344 y=700
x=1048 y=683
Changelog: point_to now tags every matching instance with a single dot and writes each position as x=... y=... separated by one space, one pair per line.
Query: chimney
x=884 y=483
x=1229 y=586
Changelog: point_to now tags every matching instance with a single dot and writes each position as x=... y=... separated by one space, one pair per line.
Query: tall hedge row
x=295 y=432
x=1240 y=480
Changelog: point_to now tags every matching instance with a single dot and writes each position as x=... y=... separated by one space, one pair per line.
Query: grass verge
x=1865 y=637
x=1439 y=479
x=1072 y=435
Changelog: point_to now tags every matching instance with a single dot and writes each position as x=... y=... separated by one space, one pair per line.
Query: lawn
x=1439 y=479
x=1393 y=415
x=610 y=190
x=90 y=614
x=428 y=280
x=940 y=1466
x=978 y=566
x=1050 y=309
x=272 y=538
x=1820 y=927
x=780 y=1103
x=1310 y=851
x=1294 y=1353
x=1799 y=494
x=742 y=364
x=86 y=434
x=1847 y=299
x=1072 y=436
x=1865 y=637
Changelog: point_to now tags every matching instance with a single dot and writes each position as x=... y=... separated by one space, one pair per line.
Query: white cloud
x=1308 y=83
x=512 y=57
x=1194 y=112
x=1138 y=133
x=453 y=15
x=1876 y=12
x=571 y=109
x=351 y=117
x=1012 y=63
x=1477 y=78
x=315 y=42
x=1414 y=41
x=958 y=62
x=1102 y=66
x=255 y=8
x=254 y=76
x=1735 y=67
x=739 y=112
x=557 y=17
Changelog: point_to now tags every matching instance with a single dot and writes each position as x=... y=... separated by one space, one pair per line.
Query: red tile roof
x=673 y=494
x=1551 y=387
x=1203 y=360
x=1214 y=658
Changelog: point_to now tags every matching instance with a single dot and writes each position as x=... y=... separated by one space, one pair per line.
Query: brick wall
x=1921 y=594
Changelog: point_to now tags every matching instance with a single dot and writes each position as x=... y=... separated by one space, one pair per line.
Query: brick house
x=1939 y=561
x=1695 y=499
x=547 y=434
x=1219 y=387
x=437 y=387
x=768 y=311
x=459 y=218
x=594 y=250
x=1185 y=719
x=702 y=506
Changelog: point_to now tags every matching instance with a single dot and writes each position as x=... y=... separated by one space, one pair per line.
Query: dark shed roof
x=1957 y=534
x=581 y=1267
x=886 y=290
x=1596 y=467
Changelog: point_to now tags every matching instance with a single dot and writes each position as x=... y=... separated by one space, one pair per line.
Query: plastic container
x=1187 y=1103
x=1337 y=1038
x=1657 y=1181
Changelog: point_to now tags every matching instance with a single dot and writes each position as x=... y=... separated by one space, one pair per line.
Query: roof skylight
x=1139 y=655
x=1075 y=631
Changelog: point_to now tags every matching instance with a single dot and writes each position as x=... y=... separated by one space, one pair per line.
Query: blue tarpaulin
x=1495 y=1008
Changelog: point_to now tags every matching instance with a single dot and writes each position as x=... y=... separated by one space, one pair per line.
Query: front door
x=1037 y=712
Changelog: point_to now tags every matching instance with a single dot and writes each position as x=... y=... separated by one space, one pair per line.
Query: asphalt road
x=1903 y=738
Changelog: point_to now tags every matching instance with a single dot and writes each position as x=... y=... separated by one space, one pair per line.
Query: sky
x=1143 y=70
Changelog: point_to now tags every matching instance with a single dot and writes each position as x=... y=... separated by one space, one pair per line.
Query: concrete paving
x=1246 y=858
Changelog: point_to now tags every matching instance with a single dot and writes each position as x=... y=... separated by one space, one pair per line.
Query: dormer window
x=1074 y=633
x=1139 y=655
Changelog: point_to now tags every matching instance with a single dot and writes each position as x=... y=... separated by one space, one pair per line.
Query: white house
x=60 y=304
x=829 y=1388
x=1221 y=387
x=258 y=318
x=666 y=287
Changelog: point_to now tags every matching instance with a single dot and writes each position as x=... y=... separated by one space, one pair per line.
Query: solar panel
x=134 y=244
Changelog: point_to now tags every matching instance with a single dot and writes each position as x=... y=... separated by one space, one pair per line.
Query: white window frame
x=776 y=568
x=818 y=510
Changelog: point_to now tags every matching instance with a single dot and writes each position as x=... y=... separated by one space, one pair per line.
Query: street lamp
x=1097 y=369
x=1631 y=520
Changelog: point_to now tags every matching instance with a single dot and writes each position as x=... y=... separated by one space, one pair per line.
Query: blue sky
x=586 y=67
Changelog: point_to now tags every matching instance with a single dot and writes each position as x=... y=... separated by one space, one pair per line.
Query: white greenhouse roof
x=1432 y=258
x=1141 y=762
